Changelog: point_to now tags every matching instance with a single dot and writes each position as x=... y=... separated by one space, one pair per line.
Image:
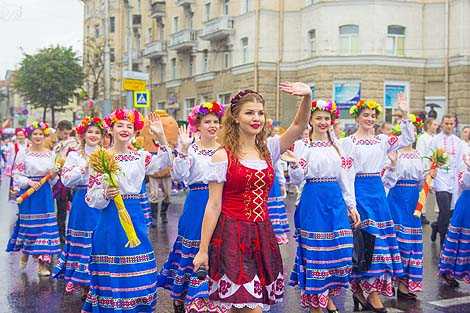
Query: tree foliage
x=49 y=79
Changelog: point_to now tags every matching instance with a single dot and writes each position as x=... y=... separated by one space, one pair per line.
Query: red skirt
x=245 y=264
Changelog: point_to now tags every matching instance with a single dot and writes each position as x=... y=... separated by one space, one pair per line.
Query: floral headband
x=417 y=122
x=328 y=106
x=132 y=116
x=87 y=121
x=362 y=104
x=38 y=125
x=240 y=94
x=202 y=110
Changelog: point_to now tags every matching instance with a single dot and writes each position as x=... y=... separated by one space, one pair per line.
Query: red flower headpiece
x=132 y=116
x=87 y=121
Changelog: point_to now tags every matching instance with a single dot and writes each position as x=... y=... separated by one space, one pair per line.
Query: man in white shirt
x=445 y=183
x=422 y=145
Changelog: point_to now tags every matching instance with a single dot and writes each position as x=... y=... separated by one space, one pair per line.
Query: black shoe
x=450 y=281
x=178 y=308
x=406 y=296
x=379 y=310
x=356 y=304
x=433 y=231
x=332 y=311
x=424 y=220
x=163 y=211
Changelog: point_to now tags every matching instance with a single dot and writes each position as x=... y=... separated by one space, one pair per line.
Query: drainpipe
x=279 y=58
x=446 y=57
x=257 y=21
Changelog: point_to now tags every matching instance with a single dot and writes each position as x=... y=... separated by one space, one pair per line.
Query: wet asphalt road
x=25 y=292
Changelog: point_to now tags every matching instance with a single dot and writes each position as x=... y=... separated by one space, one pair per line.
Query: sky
x=29 y=25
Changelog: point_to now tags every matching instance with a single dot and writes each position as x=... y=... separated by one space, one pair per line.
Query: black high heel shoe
x=332 y=311
x=373 y=309
x=178 y=308
x=356 y=304
x=406 y=296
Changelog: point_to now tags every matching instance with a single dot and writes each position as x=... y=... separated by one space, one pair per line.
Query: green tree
x=49 y=79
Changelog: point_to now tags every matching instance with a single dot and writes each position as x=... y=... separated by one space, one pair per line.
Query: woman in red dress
x=245 y=267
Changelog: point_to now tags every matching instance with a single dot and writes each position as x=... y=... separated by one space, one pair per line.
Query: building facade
x=204 y=50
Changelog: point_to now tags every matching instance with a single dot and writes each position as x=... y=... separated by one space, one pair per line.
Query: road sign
x=135 y=75
x=133 y=84
x=142 y=99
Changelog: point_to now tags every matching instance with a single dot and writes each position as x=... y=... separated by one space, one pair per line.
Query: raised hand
x=185 y=138
x=295 y=89
x=289 y=157
x=155 y=123
x=403 y=105
x=393 y=156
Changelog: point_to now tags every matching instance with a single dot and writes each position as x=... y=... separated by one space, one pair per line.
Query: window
x=161 y=70
x=97 y=31
x=391 y=90
x=205 y=62
x=224 y=98
x=189 y=103
x=173 y=68
x=161 y=31
x=245 y=50
x=349 y=39
x=226 y=7
x=175 y=24
x=161 y=105
x=309 y=2
x=190 y=65
x=112 y=24
x=112 y=55
x=246 y=6
x=312 y=42
x=226 y=60
x=396 y=40
x=207 y=11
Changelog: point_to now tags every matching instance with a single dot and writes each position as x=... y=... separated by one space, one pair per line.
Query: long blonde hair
x=230 y=128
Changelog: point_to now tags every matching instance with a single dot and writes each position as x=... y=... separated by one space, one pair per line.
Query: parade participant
x=197 y=145
x=72 y=266
x=19 y=144
x=405 y=178
x=324 y=237
x=367 y=155
x=36 y=231
x=245 y=262
x=276 y=206
x=124 y=278
x=338 y=130
x=445 y=184
x=422 y=146
x=386 y=129
x=453 y=262
x=465 y=136
x=62 y=143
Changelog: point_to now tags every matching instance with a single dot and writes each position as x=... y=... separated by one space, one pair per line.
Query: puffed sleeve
x=297 y=172
x=159 y=162
x=389 y=177
x=279 y=170
x=347 y=162
x=72 y=171
x=217 y=172
x=406 y=138
x=95 y=196
x=464 y=179
x=19 y=170
x=344 y=181
x=274 y=148
x=181 y=166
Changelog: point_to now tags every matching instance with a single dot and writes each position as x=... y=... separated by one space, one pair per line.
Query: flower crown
x=328 y=106
x=38 y=125
x=417 y=122
x=87 y=121
x=240 y=94
x=202 y=110
x=20 y=130
x=362 y=104
x=132 y=116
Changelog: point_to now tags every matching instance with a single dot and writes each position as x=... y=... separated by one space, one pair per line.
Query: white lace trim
x=250 y=305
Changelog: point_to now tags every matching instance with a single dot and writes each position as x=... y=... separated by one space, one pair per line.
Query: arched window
x=312 y=42
x=349 y=39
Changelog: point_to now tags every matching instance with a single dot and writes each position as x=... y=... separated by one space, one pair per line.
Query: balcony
x=183 y=40
x=136 y=20
x=217 y=28
x=158 y=9
x=155 y=49
x=185 y=2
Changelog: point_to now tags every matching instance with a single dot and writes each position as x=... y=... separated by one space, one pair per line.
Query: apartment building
x=203 y=50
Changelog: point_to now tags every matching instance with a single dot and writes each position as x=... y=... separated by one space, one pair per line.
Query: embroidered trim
x=368 y=175
x=322 y=180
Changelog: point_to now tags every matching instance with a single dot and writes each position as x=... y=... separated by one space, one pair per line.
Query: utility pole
x=107 y=107
x=130 y=94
